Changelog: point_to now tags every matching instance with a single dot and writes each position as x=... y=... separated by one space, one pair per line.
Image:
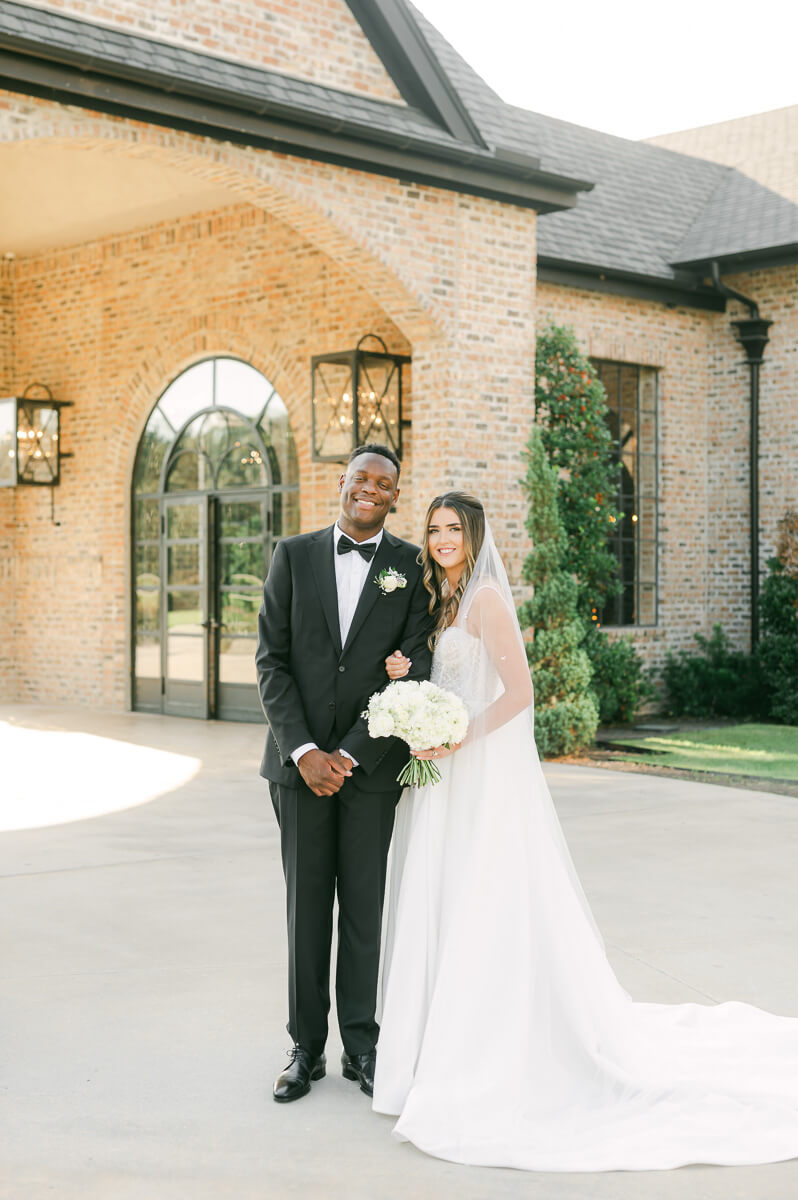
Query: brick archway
x=347 y=214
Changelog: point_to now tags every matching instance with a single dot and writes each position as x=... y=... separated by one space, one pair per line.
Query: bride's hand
x=437 y=751
x=397 y=665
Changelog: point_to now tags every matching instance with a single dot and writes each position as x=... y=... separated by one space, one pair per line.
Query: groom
x=329 y=618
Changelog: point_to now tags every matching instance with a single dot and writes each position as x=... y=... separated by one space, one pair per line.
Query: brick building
x=195 y=200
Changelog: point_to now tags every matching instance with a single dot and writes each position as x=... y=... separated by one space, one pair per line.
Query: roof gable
x=407 y=56
x=318 y=41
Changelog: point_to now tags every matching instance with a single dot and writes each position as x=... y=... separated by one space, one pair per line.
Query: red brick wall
x=318 y=40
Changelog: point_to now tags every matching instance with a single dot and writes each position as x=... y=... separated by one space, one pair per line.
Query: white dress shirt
x=351 y=572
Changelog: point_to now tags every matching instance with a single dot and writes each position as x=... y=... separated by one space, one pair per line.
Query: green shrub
x=778 y=649
x=566 y=727
x=717 y=682
x=619 y=682
x=571 y=411
x=566 y=712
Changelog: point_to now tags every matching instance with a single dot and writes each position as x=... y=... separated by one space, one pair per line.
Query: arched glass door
x=216 y=484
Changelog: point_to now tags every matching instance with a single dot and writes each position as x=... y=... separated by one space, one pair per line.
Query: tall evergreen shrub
x=566 y=712
x=571 y=409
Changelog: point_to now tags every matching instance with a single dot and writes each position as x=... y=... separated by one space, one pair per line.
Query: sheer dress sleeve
x=491 y=620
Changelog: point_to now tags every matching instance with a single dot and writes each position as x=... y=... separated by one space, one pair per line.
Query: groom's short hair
x=376 y=448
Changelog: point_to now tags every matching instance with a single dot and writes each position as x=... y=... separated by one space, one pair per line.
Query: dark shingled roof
x=652 y=211
x=740 y=220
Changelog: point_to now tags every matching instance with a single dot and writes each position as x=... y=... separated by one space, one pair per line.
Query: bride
x=506 y=1039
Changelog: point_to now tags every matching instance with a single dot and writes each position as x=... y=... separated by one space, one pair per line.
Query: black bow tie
x=367 y=550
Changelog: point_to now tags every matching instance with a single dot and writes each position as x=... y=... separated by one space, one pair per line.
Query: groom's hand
x=324 y=773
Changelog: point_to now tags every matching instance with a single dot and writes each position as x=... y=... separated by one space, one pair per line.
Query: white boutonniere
x=389 y=579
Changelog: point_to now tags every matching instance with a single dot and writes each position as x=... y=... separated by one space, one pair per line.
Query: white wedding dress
x=506 y=1039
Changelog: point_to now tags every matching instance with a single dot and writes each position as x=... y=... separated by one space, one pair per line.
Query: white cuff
x=297 y=754
x=351 y=757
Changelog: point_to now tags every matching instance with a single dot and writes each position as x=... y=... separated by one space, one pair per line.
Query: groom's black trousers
x=331 y=842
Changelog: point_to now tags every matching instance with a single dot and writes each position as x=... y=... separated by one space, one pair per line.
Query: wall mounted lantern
x=356 y=397
x=30 y=438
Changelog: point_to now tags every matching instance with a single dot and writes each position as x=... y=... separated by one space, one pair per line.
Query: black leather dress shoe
x=360 y=1067
x=295 y=1080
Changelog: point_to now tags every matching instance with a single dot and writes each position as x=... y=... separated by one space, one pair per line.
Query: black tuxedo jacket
x=312 y=688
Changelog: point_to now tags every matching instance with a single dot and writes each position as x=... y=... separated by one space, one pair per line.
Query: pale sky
x=630 y=67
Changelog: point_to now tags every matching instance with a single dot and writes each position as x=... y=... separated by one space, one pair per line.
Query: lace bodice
x=488 y=672
x=459 y=665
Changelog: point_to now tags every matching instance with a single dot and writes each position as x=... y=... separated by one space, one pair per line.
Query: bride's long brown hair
x=443 y=604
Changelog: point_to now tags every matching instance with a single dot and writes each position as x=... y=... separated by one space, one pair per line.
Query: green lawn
x=766 y=750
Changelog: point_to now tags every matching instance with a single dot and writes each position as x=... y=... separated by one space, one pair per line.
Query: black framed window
x=632 y=397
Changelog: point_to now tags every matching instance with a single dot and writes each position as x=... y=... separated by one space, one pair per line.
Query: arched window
x=216 y=484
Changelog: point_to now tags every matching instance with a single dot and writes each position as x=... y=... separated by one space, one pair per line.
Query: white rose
x=390 y=583
x=381 y=725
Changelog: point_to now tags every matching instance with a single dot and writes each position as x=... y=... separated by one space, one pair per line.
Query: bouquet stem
x=418 y=773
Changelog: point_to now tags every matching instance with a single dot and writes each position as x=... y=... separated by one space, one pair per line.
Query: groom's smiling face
x=368 y=490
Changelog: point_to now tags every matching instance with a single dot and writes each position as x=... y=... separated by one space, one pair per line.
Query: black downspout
x=753 y=334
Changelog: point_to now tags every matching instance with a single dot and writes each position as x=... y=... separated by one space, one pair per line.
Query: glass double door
x=215 y=553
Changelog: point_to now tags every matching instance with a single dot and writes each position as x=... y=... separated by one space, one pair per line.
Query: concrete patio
x=142 y=979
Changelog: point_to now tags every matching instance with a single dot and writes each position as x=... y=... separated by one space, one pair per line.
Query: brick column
x=473 y=386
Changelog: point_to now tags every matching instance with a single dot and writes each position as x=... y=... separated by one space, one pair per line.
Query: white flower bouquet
x=421 y=714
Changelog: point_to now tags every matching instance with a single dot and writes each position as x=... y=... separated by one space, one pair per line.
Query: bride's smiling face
x=446 y=541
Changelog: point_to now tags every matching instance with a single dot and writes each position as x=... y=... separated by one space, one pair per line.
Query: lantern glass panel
x=37 y=443
x=332 y=409
x=378 y=400
x=8 y=442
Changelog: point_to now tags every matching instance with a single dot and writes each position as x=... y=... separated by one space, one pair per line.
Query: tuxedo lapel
x=320 y=552
x=368 y=597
